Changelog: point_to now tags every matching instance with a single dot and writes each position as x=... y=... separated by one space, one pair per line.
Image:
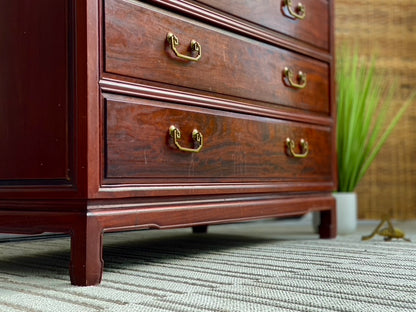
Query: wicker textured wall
x=387 y=28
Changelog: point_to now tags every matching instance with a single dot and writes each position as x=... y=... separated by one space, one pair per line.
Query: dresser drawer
x=136 y=45
x=139 y=144
x=283 y=16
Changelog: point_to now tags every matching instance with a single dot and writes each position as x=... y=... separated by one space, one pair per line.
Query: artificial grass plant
x=365 y=116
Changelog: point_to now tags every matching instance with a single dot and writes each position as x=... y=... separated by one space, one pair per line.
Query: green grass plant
x=365 y=116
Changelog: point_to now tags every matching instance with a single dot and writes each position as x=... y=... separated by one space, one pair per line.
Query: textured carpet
x=261 y=266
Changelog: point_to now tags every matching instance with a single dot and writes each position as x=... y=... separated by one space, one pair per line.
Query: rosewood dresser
x=125 y=115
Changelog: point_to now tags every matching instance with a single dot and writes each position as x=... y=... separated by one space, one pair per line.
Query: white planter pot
x=346 y=213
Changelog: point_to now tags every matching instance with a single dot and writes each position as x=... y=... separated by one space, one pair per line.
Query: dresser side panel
x=34 y=92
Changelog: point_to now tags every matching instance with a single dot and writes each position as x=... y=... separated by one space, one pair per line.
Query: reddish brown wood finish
x=34 y=104
x=136 y=46
x=86 y=229
x=314 y=28
x=89 y=90
x=86 y=267
x=138 y=144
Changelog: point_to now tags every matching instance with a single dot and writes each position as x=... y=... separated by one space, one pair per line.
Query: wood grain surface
x=314 y=28
x=136 y=46
x=236 y=146
x=34 y=90
x=89 y=90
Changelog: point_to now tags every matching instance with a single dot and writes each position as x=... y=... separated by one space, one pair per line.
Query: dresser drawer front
x=138 y=144
x=275 y=15
x=135 y=45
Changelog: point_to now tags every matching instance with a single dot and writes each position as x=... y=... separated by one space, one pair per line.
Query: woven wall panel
x=387 y=29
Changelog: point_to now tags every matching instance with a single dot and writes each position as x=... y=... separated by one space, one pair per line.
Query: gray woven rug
x=261 y=266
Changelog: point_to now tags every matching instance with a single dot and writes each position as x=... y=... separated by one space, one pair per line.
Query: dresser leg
x=200 y=229
x=86 y=266
x=328 y=226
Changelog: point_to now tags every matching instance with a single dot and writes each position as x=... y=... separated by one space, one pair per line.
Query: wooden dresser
x=126 y=115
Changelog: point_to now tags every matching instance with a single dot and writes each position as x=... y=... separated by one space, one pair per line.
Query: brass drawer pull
x=301 y=78
x=195 y=47
x=197 y=137
x=299 y=12
x=304 y=148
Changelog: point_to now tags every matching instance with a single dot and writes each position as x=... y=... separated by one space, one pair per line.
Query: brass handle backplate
x=301 y=78
x=197 y=137
x=195 y=47
x=304 y=148
x=299 y=12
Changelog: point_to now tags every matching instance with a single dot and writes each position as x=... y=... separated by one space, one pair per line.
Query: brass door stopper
x=388 y=232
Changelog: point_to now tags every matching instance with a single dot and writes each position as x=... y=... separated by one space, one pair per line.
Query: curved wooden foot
x=200 y=229
x=86 y=266
x=328 y=226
